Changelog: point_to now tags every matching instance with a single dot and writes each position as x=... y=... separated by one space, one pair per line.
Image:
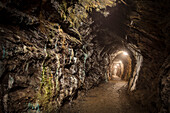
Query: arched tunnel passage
x=126 y=66
x=97 y=55
x=120 y=65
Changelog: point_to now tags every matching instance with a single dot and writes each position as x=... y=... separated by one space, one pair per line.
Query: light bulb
x=125 y=53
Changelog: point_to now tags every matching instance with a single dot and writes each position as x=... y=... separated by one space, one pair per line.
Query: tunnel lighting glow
x=117 y=64
x=125 y=53
x=115 y=67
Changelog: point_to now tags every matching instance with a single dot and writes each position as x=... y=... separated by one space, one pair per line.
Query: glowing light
x=115 y=67
x=125 y=53
x=117 y=64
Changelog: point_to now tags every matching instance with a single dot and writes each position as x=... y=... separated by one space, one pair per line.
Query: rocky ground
x=110 y=97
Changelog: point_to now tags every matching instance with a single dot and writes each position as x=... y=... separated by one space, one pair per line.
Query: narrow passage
x=110 y=97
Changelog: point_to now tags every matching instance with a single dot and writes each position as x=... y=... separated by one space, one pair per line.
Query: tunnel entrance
x=125 y=65
x=120 y=66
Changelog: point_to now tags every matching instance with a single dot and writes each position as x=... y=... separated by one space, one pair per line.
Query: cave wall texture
x=45 y=62
x=150 y=29
x=41 y=64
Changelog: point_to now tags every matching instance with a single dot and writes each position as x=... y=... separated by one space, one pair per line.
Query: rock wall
x=148 y=29
x=42 y=64
x=165 y=84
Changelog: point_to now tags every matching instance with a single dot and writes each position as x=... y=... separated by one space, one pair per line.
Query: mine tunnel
x=120 y=66
x=84 y=56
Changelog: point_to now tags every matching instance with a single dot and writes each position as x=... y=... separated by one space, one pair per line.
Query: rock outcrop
x=42 y=64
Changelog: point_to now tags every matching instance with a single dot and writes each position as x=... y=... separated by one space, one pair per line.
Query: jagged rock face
x=40 y=67
x=149 y=31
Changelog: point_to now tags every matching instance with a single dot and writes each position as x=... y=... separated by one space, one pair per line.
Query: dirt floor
x=110 y=97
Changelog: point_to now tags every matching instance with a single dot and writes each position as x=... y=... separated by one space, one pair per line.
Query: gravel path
x=110 y=97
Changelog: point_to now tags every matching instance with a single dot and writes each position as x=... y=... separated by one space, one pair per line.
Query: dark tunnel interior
x=84 y=56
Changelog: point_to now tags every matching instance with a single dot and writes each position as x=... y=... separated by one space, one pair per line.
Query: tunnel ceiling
x=130 y=24
x=111 y=30
x=51 y=49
